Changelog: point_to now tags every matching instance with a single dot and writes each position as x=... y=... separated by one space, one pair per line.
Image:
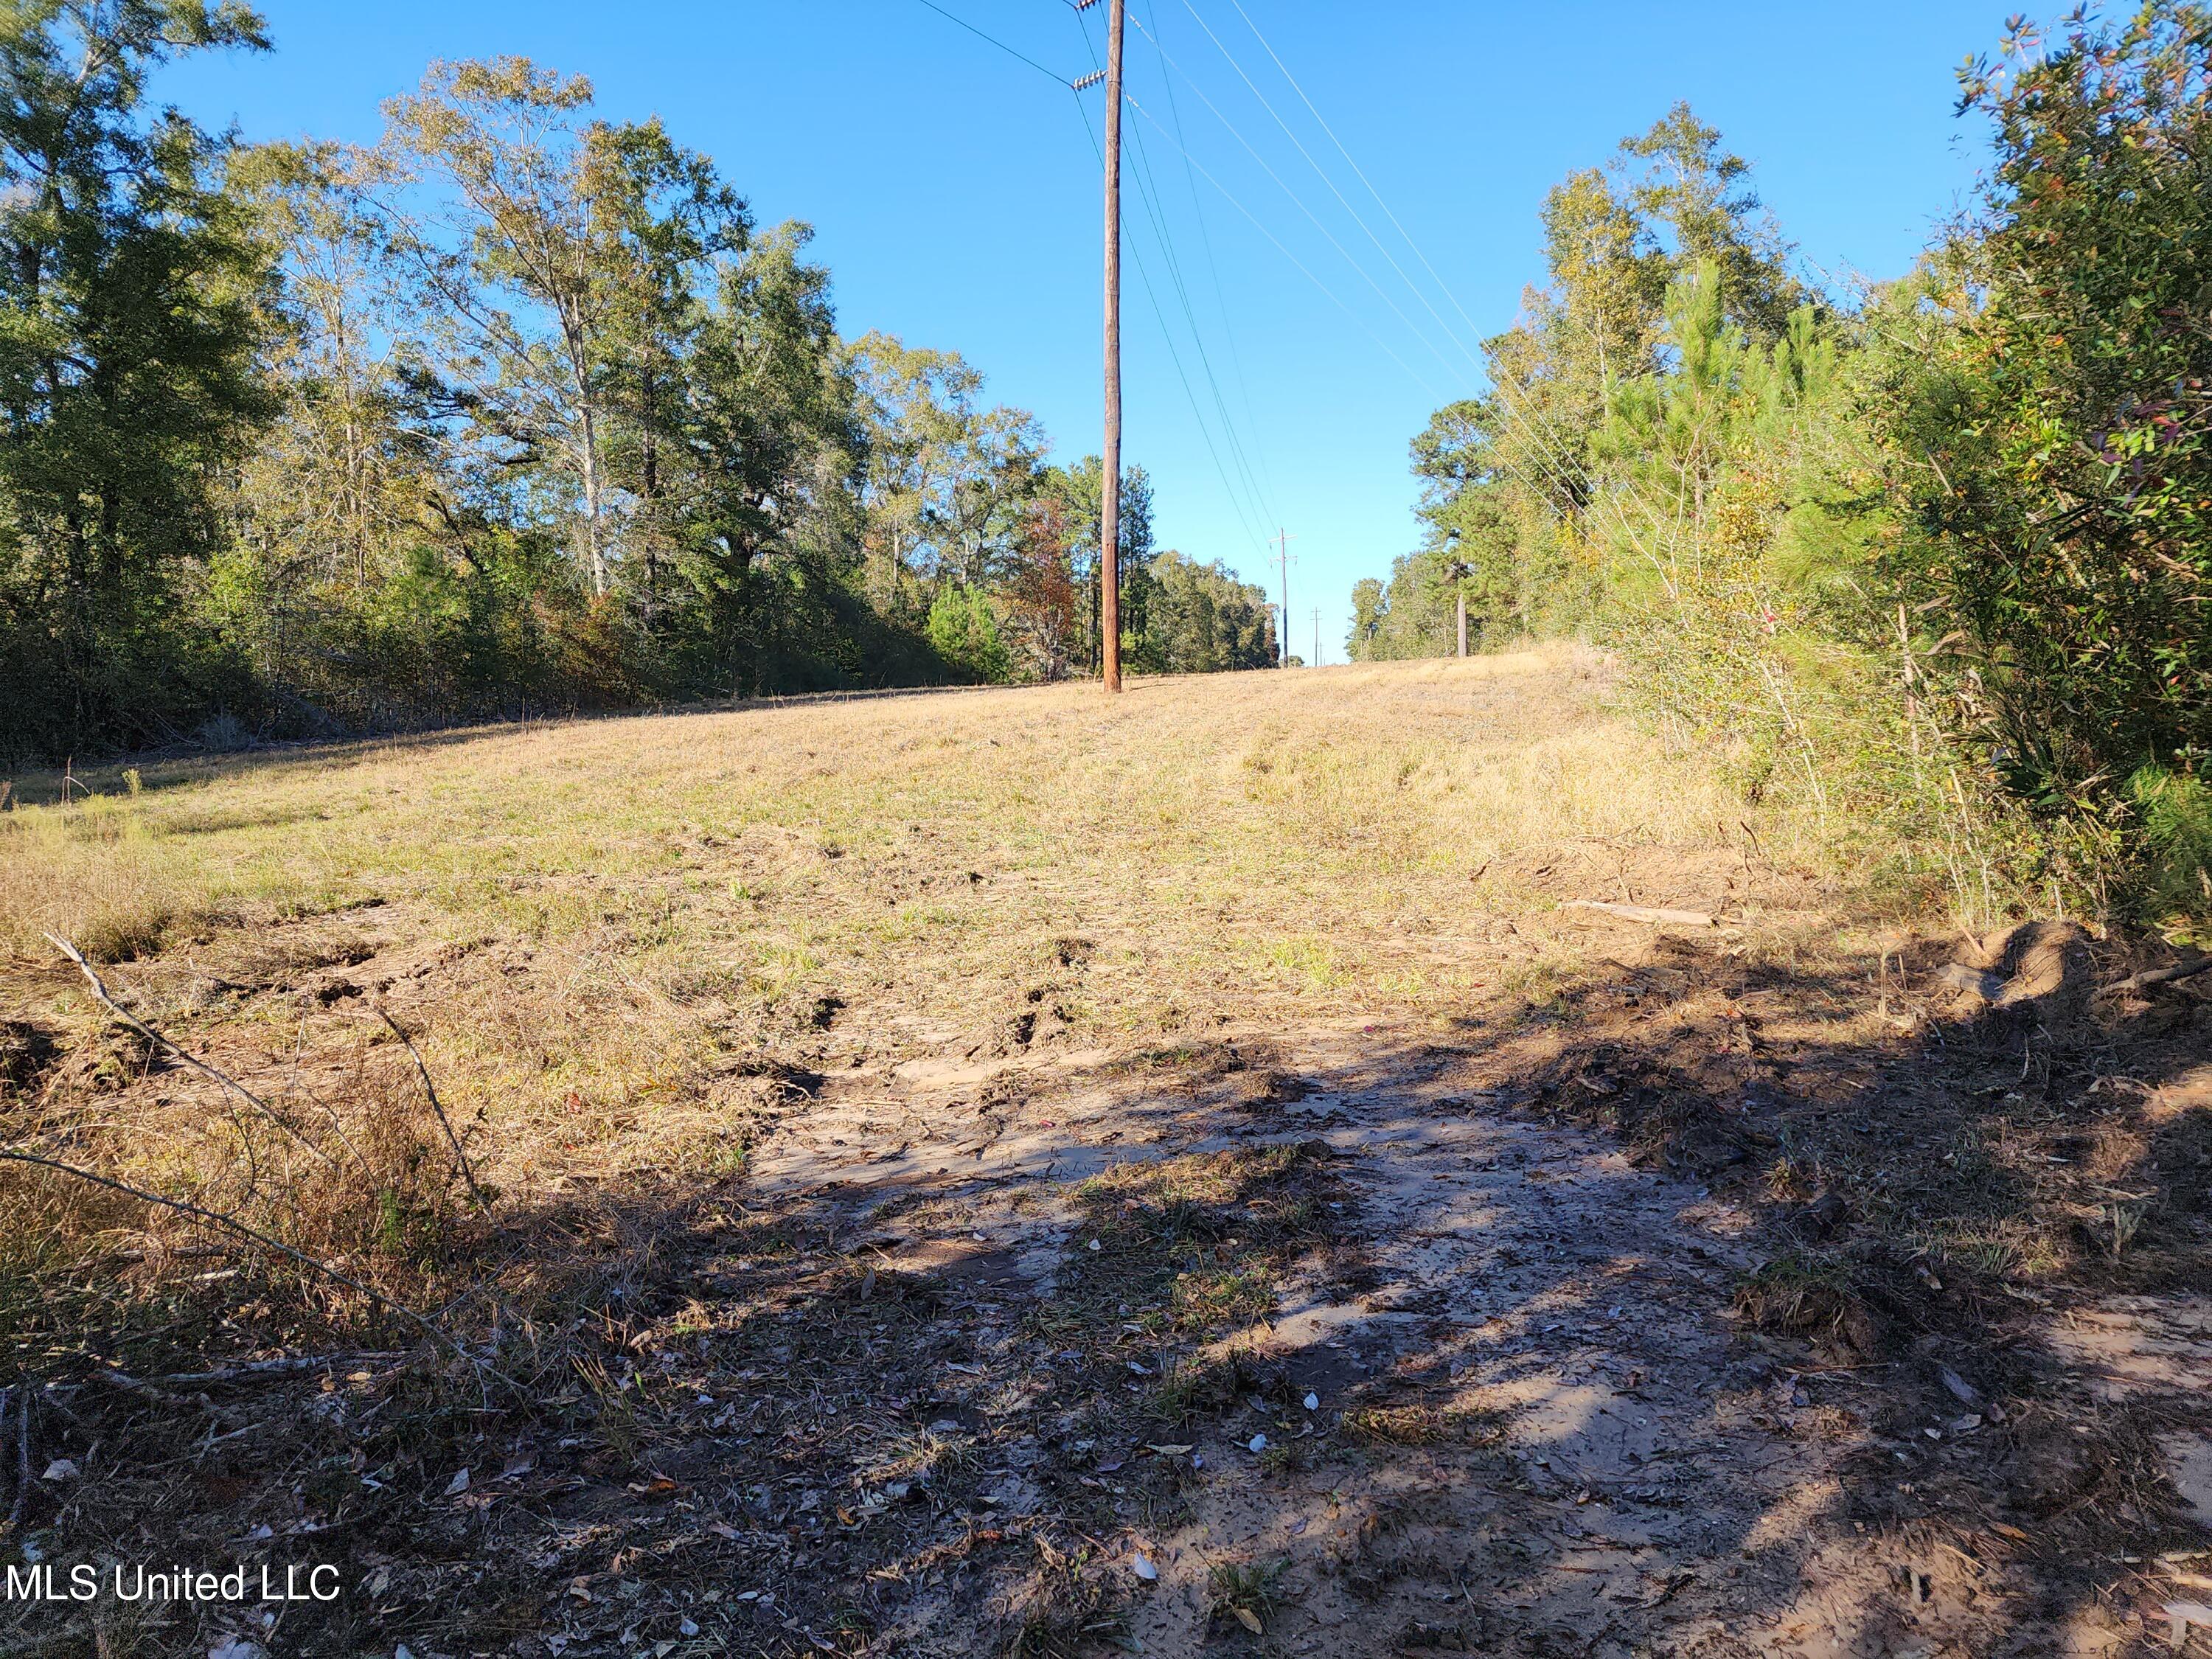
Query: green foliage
x=963 y=631
x=1193 y=618
x=517 y=410
x=1936 y=568
x=2175 y=815
x=2045 y=402
x=131 y=295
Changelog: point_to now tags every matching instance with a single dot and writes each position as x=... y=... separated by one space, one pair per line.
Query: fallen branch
x=437 y=1106
x=99 y=991
x=2165 y=975
x=230 y=1224
x=1644 y=912
x=253 y=1370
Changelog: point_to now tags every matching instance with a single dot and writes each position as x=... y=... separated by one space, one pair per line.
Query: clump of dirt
x=2039 y=971
x=1820 y=1298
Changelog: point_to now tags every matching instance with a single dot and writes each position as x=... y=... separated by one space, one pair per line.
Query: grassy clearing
x=598 y=913
x=636 y=956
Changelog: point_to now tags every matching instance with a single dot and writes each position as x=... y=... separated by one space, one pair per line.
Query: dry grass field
x=1008 y=1171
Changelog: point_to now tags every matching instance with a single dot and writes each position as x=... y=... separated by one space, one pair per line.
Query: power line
x=1010 y=52
x=1558 y=460
x=1144 y=276
x=1230 y=197
x=1552 y=454
x=1557 y=463
x=1206 y=240
x=1441 y=285
x=1300 y=203
x=1451 y=333
x=1155 y=206
x=1148 y=194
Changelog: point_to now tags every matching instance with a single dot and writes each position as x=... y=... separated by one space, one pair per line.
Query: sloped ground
x=982 y=1174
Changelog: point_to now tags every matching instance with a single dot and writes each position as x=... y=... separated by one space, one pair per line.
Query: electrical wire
x=1559 y=460
x=1206 y=240
x=1300 y=203
x=1154 y=203
x=1175 y=357
x=1230 y=195
x=1010 y=52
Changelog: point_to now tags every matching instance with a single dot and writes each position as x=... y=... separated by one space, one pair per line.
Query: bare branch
x=229 y=1083
x=437 y=1106
x=233 y=1225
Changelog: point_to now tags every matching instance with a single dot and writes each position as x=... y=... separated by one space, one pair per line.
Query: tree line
x=1930 y=552
x=517 y=410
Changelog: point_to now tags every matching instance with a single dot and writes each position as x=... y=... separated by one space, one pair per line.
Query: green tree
x=2047 y=391
x=963 y=631
x=132 y=301
x=555 y=256
x=1199 y=619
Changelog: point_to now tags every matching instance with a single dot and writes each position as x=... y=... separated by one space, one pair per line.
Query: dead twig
x=255 y=1370
x=1644 y=912
x=2165 y=975
x=228 y=1082
x=231 y=1225
x=438 y=1107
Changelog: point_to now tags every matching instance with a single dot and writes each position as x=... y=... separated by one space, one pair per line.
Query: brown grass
x=632 y=952
x=590 y=914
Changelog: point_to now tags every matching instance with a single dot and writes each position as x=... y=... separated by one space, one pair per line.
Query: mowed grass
x=599 y=914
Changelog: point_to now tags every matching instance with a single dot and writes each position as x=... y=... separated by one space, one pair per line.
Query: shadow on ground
x=1667 y=1314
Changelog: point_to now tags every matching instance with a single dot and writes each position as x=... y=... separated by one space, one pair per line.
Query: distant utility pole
x=1317 y=661
x=1458 y=570
x=1285 y=560
x=1109 y=504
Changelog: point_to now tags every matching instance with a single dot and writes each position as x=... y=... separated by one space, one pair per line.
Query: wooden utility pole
x=1463 y=623
x=1283 y=558
x=1109 y=508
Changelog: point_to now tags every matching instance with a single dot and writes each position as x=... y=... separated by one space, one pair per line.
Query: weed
x=1421 y=1426
x=1246 y=1591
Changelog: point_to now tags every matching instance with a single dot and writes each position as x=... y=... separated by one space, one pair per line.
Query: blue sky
x=954 y=189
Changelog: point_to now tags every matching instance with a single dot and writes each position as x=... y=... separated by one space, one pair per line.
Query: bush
x=965 y=633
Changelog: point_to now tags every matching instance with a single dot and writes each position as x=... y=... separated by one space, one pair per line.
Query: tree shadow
x=1670 y=1312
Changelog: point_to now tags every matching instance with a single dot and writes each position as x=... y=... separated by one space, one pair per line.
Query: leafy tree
x=1041 y=596
x=965 y=632
x=1200 y=619
x=555 y=247
x=771 y=445
x=2046 y=390
x=949 y=482
x=132 y=296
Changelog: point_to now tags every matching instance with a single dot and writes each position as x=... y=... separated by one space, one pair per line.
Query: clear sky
x=954 y=189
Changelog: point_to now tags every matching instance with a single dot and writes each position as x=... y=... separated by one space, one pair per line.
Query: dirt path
x=1525 y=1422
x=935 y=1160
